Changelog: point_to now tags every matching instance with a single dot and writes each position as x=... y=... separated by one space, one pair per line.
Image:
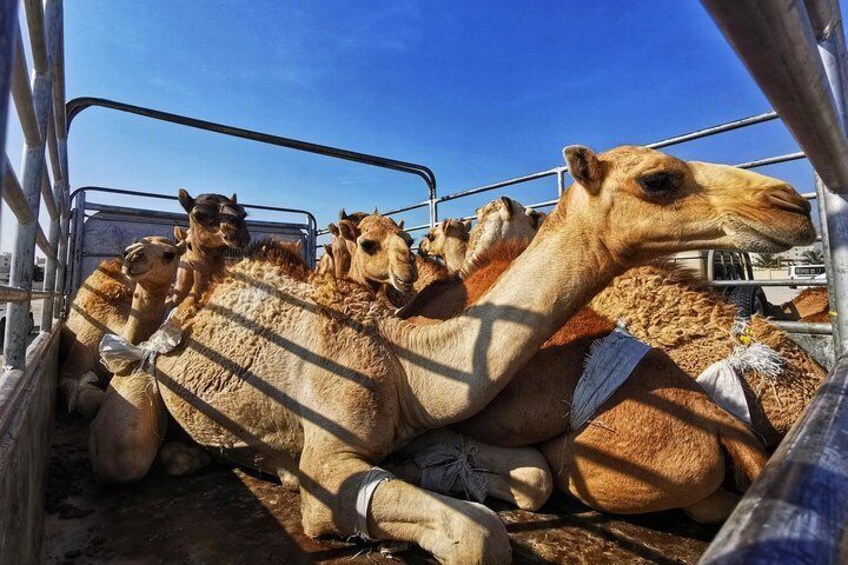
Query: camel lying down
x=320 y=382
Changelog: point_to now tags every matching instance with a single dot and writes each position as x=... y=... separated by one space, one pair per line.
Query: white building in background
x=5 y=262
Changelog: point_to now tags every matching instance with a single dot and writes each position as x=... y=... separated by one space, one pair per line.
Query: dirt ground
x=226 y=515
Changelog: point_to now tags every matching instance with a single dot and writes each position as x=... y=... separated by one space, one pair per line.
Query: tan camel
x=322 y=382
x=501 y=219
x=449 y=242
x=216 y=224
x=130 y=421
x=655 y=444
x=103 y=305
x=326 y=264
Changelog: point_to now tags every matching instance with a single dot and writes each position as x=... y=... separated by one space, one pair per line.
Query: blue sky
x=478 y=91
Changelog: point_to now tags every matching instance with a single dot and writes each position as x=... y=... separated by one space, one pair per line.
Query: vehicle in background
x=3 y=309
x=727 y=266
x=806 y=272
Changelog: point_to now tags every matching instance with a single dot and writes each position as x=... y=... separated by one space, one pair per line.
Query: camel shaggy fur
x=811 y=305
x=321 y=381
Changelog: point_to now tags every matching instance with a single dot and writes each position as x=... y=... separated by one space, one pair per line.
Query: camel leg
x=714 y=509
x=127 y=432
x=454 y=531
x=517 y=475
x=82 y=394
x=180 y=459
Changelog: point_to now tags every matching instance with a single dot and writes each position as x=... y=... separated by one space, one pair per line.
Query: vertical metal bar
x=835 y=206
x=62 y=267
x=76 y=260
x=8 y=38
x=560 y=181
x=50 y=268
x=33 y=168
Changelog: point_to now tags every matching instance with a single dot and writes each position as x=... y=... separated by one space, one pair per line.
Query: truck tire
x=749 y=299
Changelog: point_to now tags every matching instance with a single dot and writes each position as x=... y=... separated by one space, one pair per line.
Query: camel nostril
x=789 y=200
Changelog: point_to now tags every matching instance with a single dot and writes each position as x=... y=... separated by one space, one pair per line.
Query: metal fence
x=40 y=104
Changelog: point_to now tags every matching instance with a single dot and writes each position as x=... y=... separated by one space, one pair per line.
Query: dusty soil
x=226 y=515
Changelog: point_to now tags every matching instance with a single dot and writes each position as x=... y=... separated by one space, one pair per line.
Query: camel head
x=326 y=264
x=343 y=245
x=502 y=219
x=215 y=220
x=443 y=235
x=647 y=204
x=354 y=217
x=380 y=252
x=153 y=261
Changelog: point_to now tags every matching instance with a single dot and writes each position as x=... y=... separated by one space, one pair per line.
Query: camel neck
x=146 y=314
x=205 y=262
x=455 y=368
x=455 y=251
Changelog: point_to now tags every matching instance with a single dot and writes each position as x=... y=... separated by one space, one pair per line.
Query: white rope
x=372 y=479
x=610 y=362
x=114 y=349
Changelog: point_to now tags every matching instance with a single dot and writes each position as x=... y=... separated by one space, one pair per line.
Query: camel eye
x=169 y=256
x=201 y=216
x=658 y=183
x=369 y=246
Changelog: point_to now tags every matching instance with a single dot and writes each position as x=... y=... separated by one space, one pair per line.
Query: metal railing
x=40 y=105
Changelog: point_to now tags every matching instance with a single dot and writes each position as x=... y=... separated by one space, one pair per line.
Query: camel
x=320 y=381
x=655 y=444
x=103 y=305
x=216 y=224
x=811 y=305
x=326 y=264
x=505 y=219
x=152 y=263
x=447 y=241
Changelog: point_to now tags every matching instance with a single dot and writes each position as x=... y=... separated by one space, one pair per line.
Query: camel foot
x=180 y=460
x=714 y=509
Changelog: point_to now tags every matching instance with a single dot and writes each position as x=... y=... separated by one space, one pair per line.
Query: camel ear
x=334 y=229
x=584 y=166
x=400 y=224
x=348 y=231
x=180 y=234
x=343 y=215
x=506 y=210
x=536 y=217
x=186 y=201
x=181 y=246
x=233 y=198
x=467 y=225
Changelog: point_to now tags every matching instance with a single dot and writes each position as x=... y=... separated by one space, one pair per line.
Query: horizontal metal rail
x=715 y=130
x=821 y=328
x=15 y=294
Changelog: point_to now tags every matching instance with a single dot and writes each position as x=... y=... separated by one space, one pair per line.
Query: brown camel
x=320 y=381
x=811 y=305
x=655 y=444
x=130 y=420
x=216 y=224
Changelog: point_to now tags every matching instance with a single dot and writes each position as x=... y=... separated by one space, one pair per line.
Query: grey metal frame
x=40 y=105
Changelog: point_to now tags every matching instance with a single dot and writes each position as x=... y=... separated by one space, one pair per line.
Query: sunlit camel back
x=216 y=224
x=132 y=397
x=106 y=303
x=811 y=305
x=500 y=220
x=318 y=382
x=447 y=241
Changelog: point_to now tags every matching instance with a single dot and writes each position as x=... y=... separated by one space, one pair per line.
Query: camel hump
x=745 y=450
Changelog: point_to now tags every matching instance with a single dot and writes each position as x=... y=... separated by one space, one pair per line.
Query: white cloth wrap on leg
x=372 y=479
x=113 y=348
x=611 y=361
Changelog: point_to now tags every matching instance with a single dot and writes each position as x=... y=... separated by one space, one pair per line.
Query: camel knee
x=120 y=458
x=471 y=534
x=88 y=401
x=714 y=509
x=531 y=487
